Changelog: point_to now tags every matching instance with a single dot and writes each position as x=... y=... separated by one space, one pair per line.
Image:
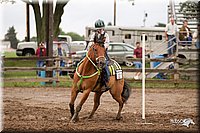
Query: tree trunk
x=59 y=10
x=43 y=31
x=38 y=20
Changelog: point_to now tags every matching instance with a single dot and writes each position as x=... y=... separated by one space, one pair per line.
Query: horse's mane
x=93 y=45
x=98 y=44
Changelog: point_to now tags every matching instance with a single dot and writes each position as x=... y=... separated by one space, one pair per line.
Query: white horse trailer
x=153 y=35
x=154 y=39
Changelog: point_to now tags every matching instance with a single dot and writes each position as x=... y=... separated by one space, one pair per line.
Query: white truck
x=29 y=48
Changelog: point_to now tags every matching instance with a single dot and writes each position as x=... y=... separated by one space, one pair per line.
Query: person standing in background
x=40 y=52
x=170 y=34
x=137 y=54
x=60 y=52
x=196 y=37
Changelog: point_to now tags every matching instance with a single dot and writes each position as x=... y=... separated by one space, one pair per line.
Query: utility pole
x=114 y=12
x=27 y=24
x=115 y=8
x=49 y=35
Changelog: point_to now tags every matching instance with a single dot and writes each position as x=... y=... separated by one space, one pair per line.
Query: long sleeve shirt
x=41 y=52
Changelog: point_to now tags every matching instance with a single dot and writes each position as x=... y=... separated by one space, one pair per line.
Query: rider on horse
x=101 y=37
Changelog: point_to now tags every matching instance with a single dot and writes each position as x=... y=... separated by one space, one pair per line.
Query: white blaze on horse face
x=101 y=60
x=97 y=59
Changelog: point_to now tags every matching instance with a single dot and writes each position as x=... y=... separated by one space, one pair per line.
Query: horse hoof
x=90 y=117
x=119 y=117
x=74 y=120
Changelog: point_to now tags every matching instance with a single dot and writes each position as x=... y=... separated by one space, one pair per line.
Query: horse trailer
x=154 y=39
x=131 y=35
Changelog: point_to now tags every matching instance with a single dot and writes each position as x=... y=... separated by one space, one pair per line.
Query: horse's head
x=97 y=55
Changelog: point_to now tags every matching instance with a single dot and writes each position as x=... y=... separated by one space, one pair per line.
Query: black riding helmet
x=99 y=24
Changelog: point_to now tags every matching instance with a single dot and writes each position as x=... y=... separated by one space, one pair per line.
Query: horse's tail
x=126 y=91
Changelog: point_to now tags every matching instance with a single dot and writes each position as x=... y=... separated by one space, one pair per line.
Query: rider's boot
x=105 y=88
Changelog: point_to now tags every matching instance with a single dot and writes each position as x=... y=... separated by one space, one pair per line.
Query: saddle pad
x=113 y=67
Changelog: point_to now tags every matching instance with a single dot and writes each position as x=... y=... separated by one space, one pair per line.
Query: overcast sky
x=81 y=13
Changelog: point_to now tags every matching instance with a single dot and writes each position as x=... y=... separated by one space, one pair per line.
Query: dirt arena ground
x=46 y=109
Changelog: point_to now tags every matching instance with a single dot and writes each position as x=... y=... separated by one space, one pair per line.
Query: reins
x=88 y=76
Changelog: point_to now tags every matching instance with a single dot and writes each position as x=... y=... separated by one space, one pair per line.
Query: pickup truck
x=26 y=48
x=29 y=48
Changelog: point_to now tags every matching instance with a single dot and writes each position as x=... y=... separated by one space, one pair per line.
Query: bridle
x=98 y=70
x=99 y=57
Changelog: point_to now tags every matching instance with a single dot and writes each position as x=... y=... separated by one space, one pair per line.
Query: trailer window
x=113 y=33
x=127 y=36
x=158 y=37
x=145 y=38
x=89 y=32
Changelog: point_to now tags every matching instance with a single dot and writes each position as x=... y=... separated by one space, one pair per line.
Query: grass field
x=10 y=54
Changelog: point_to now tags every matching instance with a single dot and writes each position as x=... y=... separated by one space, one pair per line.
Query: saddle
x=114 y=67
x=114 y=70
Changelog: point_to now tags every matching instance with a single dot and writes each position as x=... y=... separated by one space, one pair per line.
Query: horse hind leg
x=119 y=99
x=122 y=97
x=79 y=106
x=121 y=104
x=116 y=94
x=97 y=96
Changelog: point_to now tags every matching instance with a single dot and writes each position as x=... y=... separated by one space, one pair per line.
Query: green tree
x=40 y=17
x=34 y=39
x=189 y=9
x=11 y=36
x=75 y=36
x=61 y=32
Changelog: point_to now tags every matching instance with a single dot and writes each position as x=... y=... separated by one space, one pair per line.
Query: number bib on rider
x=118 y=74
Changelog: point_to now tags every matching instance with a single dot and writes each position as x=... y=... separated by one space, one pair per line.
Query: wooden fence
x=57 y=68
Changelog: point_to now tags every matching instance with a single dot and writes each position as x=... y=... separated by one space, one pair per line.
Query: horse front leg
x=74 y=94
x=79 y=106
x=97 y=96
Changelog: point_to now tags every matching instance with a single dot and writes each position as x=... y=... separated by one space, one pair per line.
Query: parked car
x=79 y=43
x=117 y=51
x=26 y=48
x=120 y=51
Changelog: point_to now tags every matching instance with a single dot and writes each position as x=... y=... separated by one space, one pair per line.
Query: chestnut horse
x=86 y=79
